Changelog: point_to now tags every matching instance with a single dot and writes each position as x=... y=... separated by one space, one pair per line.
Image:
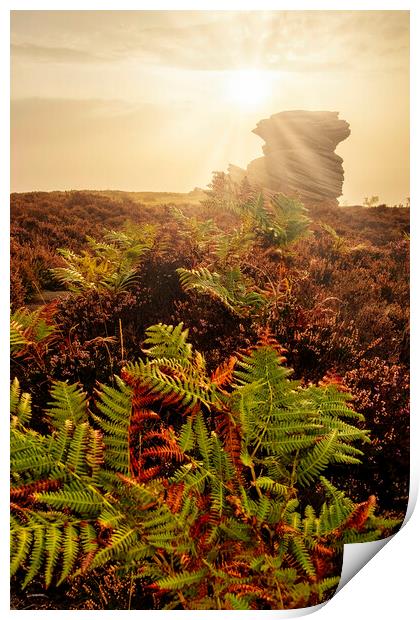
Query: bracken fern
x=203 y=511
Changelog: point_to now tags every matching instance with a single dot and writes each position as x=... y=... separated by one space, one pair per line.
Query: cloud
x=217 y=41
x=43 y=53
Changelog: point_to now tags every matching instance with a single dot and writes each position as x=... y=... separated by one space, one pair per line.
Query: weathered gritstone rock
x=299 y=156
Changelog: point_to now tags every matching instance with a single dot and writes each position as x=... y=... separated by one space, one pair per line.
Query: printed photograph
x=209 y=304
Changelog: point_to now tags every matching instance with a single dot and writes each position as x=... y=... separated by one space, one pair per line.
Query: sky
x=157 y=100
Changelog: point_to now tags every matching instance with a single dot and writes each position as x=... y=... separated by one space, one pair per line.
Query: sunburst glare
x=248 y=88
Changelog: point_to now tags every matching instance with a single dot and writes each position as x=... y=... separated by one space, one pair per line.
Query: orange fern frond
x=247 y=588
x=163 y=452
x=174 y=497
x=135 y=431
x=236 y=569
x=238 y=509
x=151 y=446
x=202 y=502
x=147 y=474
x=26 y=491
x=223 y=374
x=361 y=513
x=266 y=338
x=198 y=528
x=141 y=415
x=230 y=434
x=333 y=378
x=161 y=434
x=322 y=566
x=87 y=561
x=322 y=550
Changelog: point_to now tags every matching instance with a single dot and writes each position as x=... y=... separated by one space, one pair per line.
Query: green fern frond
x=36 y=556
x=118 y=281
x=317 y=460
x=167 y=341
x=267 y=484
x=302 y=555
x=124 y=538
x=42 y=544
x=88 y=538
x=60 y=441
x=29 y=456
x=28 y=329
x=290 y=220
x=231 y=288
x=53 y=539
x=21 y=540
x=76 y=456
x=68 y=402
x=73 y=279
x=18 y=336
x=114 y=406
x=95 y=454
x=350 y=537
x=172 y=383
x=20 y=405
x=256 y=208
x=237 y=603
x=186 y=437
x=80 y=500
x=325 y=585
x=70 y=551
x=181 y=580
x=203 y=440
x=109 y=265
x=233 y=245
x=338 y=496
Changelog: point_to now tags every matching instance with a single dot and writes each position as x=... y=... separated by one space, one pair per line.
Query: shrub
x=381 y=393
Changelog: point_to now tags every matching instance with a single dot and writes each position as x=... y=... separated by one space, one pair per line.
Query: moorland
x=209 y=395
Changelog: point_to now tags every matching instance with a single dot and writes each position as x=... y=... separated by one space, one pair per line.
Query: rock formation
x=299 y=158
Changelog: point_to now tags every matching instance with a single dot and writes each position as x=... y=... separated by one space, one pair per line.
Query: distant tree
x=371 y=202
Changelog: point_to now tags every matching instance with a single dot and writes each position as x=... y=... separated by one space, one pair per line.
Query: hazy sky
x=142 y=100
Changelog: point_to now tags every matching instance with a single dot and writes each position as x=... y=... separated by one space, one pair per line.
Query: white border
x=388 y=585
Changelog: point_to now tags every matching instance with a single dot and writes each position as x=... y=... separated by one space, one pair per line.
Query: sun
x=247 y=87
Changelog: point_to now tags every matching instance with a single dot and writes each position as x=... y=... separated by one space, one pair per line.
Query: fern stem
x=160 y=559
x=268 y=418
x=278 y=588
x=182 y=599
x=254 y=480
x=293 y=475
x=131 y=590
x=106 y=346
x=121 y=340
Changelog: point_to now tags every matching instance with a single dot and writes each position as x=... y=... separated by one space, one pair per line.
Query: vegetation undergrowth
x=162 y=453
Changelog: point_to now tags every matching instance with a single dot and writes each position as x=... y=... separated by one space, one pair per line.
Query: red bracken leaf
x=360 y=514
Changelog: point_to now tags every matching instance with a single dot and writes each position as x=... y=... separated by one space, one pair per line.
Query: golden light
x=248 y=87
